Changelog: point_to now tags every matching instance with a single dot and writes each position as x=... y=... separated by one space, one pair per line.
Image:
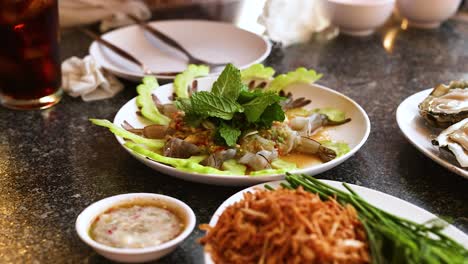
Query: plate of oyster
x=435 y=121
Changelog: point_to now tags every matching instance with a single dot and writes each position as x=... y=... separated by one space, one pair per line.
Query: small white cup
x=358 y=17
x=427 y=13
x=131 y=255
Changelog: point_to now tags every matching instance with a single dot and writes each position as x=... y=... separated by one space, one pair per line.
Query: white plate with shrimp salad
x=241 y=128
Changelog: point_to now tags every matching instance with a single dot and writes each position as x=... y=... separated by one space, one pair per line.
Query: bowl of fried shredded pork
x=287 y=225
x=305 y=220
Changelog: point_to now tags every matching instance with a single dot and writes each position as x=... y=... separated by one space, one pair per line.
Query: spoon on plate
x=159 y=35
x=124 y=54
x=171 y=42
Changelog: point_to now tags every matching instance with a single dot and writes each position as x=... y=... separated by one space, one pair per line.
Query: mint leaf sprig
x=229 y=83
x=232 y=107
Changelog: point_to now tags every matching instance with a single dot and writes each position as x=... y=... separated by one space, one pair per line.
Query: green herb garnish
x=230 y=134
x=256 y=107
x=228 y=83
x=232 y=107
x=211 y=105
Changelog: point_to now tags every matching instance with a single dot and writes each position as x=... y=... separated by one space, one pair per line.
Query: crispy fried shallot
x=286 y=226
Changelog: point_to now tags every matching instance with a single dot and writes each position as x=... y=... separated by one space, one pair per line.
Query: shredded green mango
x=146 y=103
x=118 y=131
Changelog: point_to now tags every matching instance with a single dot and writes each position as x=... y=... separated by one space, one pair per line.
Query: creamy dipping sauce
x=136 y=226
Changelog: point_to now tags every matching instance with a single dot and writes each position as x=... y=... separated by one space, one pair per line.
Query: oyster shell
x=446 y=105
x=455 y=140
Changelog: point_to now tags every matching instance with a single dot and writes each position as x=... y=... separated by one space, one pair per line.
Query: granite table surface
x=54 y=163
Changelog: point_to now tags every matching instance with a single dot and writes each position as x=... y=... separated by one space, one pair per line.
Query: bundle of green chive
x=391 y=239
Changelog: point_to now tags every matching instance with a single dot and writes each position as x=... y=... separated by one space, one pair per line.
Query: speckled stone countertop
x=54 y=163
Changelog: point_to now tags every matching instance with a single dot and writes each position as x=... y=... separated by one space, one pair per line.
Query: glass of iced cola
x=30 y=76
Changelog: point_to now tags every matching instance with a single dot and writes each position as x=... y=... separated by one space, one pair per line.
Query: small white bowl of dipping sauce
x=358 y=17
x=427 y=13
x=135 y=227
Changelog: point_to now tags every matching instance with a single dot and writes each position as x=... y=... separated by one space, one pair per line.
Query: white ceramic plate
x=381 y=200
x=216 y=42
x=354 y=133
x=420 y=134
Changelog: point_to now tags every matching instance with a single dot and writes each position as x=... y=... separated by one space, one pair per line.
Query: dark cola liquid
x=29 y=52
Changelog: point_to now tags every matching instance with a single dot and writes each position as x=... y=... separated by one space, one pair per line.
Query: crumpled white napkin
x=293 y=21
x=85 y=78
x=111 y=13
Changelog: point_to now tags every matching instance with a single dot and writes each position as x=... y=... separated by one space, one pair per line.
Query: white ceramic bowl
x=354 y=133
x=427 y=13
x=131 y=255
x=358 y=17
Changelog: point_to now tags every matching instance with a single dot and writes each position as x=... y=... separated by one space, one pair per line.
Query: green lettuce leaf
x=332 y=113
x=234 y=167
x=257 y=71
x=118 y=131
x=229 y=134
x=228 y=83
x=255 y=108
x=340 y=148
x=300 y=75
x=146 y=103
x=184 y=79
x=209 y=104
